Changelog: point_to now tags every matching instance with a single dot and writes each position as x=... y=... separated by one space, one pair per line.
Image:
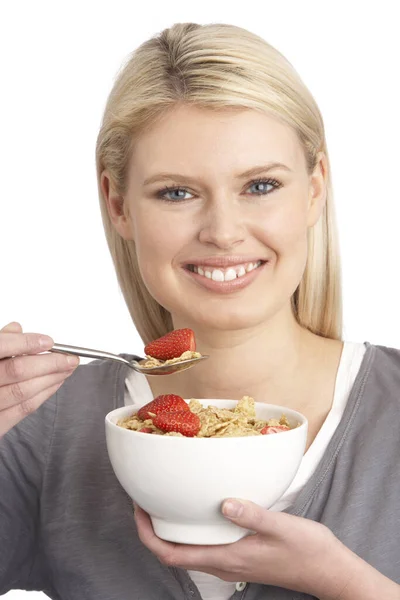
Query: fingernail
x=73 y=361
x=232 y=508
x=45 y=342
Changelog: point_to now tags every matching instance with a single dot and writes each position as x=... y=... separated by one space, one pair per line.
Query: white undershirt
x=138 y=393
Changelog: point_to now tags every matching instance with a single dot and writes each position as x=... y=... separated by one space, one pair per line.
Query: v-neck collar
x=302 y=500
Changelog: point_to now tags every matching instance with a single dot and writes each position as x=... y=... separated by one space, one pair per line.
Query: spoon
x=133 y=364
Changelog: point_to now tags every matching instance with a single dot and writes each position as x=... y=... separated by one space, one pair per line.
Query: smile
x=230 y=274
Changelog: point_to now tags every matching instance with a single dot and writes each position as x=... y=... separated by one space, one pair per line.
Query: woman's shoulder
x=383 y=356
x=380 y=371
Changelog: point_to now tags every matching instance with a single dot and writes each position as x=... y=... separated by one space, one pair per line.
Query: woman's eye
x=168 y=194
x=263 y=186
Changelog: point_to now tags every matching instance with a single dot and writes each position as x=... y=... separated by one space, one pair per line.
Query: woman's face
x=217 y=245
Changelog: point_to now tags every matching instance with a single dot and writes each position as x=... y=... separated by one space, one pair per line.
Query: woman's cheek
x=151 y=258
x=156 y=259
x=284 y=229
x=284 y=234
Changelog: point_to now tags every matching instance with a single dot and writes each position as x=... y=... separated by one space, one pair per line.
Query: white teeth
x=249 y=267
x=230 y=275
x=218 y=275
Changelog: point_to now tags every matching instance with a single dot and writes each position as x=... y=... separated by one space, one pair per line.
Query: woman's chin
x=224 y=320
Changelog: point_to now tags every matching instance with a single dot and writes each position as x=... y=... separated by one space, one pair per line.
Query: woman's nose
x=222 y=225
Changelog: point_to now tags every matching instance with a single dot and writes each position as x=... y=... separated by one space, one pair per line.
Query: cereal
x=155 y=362
x=217 y=422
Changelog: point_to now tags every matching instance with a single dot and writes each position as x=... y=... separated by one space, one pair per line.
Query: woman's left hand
x=285 y=551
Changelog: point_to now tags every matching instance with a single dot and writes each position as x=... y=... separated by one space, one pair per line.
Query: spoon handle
x=90 y=353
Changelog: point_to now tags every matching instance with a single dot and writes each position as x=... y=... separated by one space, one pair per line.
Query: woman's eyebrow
x=254 y=171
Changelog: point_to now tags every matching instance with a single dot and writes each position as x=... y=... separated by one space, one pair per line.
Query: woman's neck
x=275 y=363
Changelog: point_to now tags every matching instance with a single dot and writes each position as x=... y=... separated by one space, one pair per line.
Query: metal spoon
x=133 y=364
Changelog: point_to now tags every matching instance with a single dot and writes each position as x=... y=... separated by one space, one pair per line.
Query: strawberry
x=146 y=430
x=180 y=421
x=172 y=344
x=163 y=403
x=274 y=429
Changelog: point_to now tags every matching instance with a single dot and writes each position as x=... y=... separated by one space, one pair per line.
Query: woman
x=216 y=200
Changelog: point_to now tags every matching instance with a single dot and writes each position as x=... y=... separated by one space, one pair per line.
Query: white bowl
x=182 y=482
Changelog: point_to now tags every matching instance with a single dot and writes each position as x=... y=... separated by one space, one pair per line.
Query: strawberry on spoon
x=172 y=345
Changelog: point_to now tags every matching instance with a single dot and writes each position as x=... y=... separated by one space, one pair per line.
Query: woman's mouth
x=229 y=274
x=225 y=279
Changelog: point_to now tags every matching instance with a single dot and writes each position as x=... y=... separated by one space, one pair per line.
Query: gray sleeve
x=23 y=456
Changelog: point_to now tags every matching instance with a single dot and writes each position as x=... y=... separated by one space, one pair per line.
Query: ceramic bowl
x=181 y=482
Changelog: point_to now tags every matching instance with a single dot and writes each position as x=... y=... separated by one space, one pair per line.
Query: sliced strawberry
x=180 y=421
x=172 y=344
x=274 y=429
x=163 y=403
x=146 y=430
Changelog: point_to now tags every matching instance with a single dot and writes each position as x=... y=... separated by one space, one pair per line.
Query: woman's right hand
x=28 y=378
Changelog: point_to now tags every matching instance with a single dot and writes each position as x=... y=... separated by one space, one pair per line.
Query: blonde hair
x=215 y=66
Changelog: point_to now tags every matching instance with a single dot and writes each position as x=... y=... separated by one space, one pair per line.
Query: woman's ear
x=318 y=190
x=117 y=207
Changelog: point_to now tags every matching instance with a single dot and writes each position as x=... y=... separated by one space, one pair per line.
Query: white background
x=58 y=61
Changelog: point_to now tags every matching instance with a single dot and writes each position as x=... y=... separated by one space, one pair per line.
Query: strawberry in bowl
x=167 y=413
x=163 y=403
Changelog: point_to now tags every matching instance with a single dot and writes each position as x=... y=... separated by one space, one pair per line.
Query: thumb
x=13 y=327
x=246 y=514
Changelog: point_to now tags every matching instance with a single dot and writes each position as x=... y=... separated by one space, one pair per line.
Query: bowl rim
x=293 y=414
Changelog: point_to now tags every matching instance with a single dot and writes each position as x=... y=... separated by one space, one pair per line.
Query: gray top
x=67 y=527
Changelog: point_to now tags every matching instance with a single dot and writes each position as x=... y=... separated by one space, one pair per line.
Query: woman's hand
x=285 y=551
x=28 y=379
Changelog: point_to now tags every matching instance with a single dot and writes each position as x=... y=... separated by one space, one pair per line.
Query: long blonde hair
x=215 y=66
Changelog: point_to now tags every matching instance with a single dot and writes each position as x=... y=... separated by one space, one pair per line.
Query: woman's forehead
x=234 y=141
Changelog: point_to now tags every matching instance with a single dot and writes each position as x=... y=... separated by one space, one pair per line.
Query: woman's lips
x=227 y=287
